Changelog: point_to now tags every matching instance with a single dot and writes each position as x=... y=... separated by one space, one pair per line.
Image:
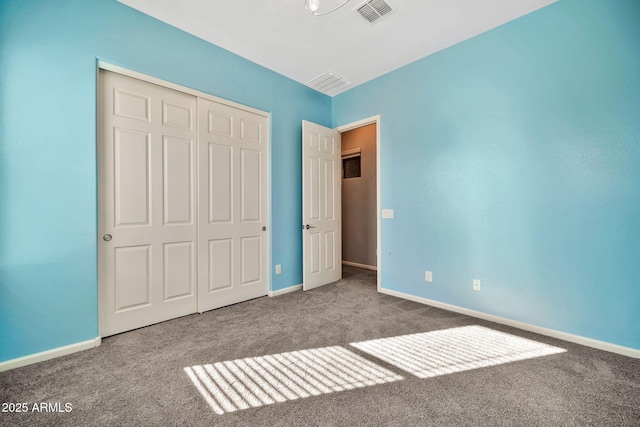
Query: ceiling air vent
x=374 y=10
x=329 y=83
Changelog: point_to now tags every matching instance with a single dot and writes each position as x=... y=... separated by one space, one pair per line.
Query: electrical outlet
x=476 y=284
x=278 y=269
x=428 y=276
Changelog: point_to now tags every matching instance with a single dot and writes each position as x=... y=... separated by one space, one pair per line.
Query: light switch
x=387 y=213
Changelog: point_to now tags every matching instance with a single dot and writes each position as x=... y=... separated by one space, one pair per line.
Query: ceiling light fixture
x=313 y=6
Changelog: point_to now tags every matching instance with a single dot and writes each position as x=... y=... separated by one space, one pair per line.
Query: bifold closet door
x=147 y=203
x=233 y=205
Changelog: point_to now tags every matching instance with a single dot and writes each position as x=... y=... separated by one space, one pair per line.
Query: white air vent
x=374 y=10
x=329 y=83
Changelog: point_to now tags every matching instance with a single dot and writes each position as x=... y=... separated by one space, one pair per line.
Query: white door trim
x=349 y=126
x=130 y=73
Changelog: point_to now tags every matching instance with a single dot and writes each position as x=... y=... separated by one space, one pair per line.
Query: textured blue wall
x=514 y=158
x=48 y=247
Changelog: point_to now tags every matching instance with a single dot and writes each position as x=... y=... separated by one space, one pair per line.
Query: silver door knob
x=106 y=237
x=310 y=226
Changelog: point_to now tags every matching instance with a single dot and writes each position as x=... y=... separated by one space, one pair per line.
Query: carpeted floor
x=138 y=378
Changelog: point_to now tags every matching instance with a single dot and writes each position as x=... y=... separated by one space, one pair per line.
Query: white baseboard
x=285 y=290
x=355 y=264
x=589 y=342
x=49 y=354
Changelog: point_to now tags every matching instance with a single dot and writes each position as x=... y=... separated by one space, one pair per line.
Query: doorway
x=312 y=134
x=376 y=121
x=359 y=172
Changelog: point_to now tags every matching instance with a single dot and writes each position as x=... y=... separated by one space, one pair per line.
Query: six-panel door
x=147 y=198
x=322 y=205
x=233 y=215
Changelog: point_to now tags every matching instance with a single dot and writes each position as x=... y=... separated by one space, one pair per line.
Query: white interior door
x=321 y=200
x=147 y=209
x=233 y=205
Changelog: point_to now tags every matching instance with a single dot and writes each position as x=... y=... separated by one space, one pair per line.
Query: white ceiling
x=282 y=36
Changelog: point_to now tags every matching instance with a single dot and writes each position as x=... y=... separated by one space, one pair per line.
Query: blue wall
x=48 y=225
x=514 y=158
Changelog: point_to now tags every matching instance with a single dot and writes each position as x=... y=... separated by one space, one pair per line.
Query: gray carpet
x=137 y=378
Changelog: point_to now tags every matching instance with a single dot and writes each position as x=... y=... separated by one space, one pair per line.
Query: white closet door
x=233 y=205
x=147 y=203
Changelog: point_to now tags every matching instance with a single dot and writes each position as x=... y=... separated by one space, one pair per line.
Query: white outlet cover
x=428 y=276
x=278 y=269
x=387 y=213
x=476 y=285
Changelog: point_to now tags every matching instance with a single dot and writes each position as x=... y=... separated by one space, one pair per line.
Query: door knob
x=310 y=226
x=264 y=228
x=106 y=237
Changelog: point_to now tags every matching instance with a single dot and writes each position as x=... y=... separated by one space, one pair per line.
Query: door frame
x=354 y=125
x=104 y=65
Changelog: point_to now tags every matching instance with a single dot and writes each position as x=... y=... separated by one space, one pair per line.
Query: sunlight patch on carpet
x=256 y=381
x=447 y=351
